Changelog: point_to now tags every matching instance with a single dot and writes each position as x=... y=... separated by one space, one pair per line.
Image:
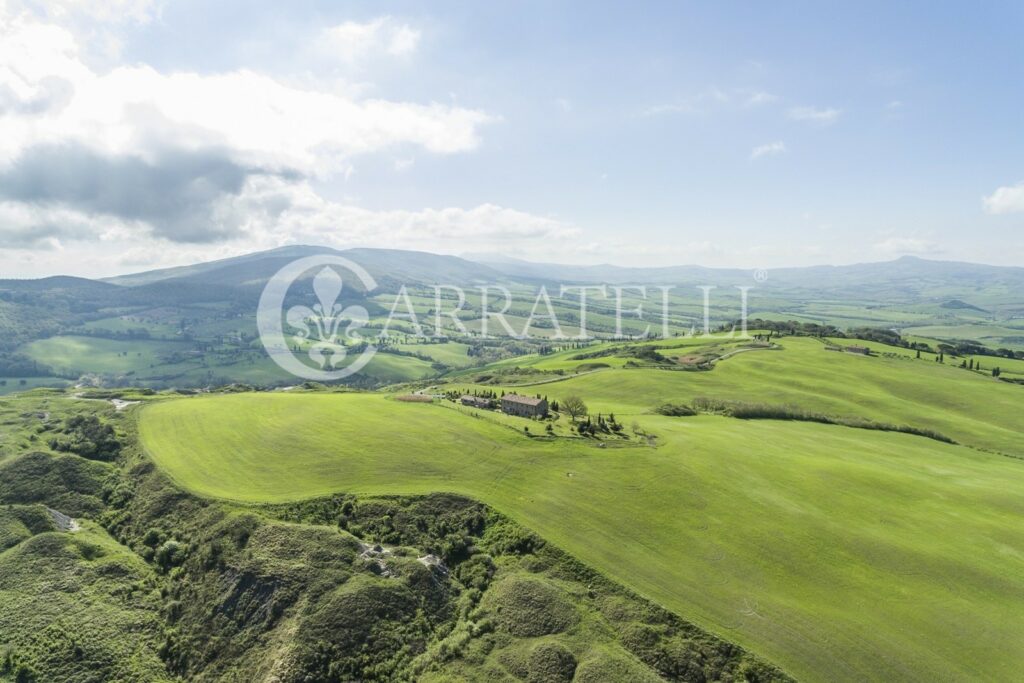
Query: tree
x=575 y=406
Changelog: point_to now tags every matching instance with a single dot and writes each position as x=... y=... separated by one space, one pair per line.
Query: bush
x=550 y=663
x=766 y=411
x=86 y=436
x=675 y=410
x=527 y=607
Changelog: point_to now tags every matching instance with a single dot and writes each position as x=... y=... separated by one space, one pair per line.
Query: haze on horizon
x=140 y=134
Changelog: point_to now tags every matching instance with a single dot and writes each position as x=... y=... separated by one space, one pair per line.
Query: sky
x=137 y=134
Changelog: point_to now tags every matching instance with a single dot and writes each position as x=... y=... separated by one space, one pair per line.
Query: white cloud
x=268 y=212
x=99 y=145
x=770 y=149
x=404 y=164
x=51 y=97
x=273 y=211
x=712 y=98
x=352 y=41
x=897 y=245
x=1006 y=199
x=815 y=115
x=758 y=98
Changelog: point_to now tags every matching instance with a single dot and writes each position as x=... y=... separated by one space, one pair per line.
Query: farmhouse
x=524 y=406
x=477 y=402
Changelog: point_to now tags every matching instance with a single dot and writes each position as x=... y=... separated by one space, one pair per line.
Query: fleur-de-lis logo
x=318 y=328
x=326 y=331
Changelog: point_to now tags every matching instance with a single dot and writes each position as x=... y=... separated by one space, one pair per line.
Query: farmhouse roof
x=525 y=400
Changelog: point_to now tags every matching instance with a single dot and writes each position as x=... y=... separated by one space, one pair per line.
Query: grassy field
x=971 y=408
x=993 y=335
x=837 y=553
x=452 y=354
x=176 y=363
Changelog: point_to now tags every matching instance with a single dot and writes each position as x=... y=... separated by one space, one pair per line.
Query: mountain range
x=903 y=278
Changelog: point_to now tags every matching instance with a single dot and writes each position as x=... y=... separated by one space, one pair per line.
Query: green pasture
x=71 y=354
x=837 y=553
x=971 y=408
x=994 y=335
x=452 y=354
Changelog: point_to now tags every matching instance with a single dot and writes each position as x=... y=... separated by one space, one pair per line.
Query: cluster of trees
x=745 y=410
x=599 y=425
x=20 y=365
x=968 y=348
x=790 y=327
x=132 y=333
x=87 y=436
x=972 y=364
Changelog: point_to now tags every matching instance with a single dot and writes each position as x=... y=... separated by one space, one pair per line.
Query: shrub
x=675 y=410
x=86 y=436
x=767 y=411
x=550 y=663
x=527 y=607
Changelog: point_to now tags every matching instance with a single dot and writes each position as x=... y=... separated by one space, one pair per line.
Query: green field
x=74 y=355
x=971 y=408
x=837 y=553
x=993 y=335
x=169 y=363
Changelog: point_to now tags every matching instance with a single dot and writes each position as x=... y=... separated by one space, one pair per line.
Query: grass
x=836 y=553
x=76 y=605
x=993 y=335
x=451 y=354
x=971 y=408
x=76 y=355
x=12 y=385
x=180 y=363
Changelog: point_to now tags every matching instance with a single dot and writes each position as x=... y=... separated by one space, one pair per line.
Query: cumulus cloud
x=50 y=96
x=175 y=155
x=823 y=116
x=175 y=193
x=352 y=41
x=271 y=211
x=1006 y=199
x=770 y=149
x=29 y=226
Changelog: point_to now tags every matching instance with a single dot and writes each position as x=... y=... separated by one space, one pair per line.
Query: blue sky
x=734 y=134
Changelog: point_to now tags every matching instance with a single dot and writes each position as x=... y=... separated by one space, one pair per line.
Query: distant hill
x=904 y=279
x=56 y=283
x=385 y=265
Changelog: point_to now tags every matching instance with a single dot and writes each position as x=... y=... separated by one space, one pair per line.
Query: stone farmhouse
x=524 y=406
x=477 y=402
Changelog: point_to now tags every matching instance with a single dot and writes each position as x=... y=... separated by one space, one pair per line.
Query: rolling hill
x=838 y=553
